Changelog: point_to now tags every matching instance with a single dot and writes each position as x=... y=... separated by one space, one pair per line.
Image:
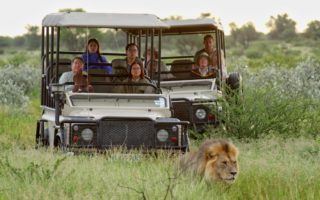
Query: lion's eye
x=224 y=162
x=234 y=162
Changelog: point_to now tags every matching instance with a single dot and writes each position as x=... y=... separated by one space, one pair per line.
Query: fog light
x=87 y=134
x=201 y=113
x=162 y=135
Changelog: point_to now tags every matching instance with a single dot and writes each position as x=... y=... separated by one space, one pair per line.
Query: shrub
x=16 y=83
x=275 y=101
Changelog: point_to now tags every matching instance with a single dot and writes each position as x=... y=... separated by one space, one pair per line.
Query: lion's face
x=221 y=162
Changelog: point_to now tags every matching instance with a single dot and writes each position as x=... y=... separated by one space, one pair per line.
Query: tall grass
x=270 y=169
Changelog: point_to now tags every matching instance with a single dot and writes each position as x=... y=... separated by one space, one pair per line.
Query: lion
x=216 y=160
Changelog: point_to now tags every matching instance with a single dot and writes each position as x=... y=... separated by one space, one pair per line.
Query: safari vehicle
x=195 y=100
x=105 y=118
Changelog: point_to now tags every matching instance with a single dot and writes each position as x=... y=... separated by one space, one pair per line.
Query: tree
x=281 y=27
x=313 y=30
x=173 y=17
x=76 y=38
x=19 y=41
x=205 y=15
x=5 y=41
x=32 y=37
x=245 y=34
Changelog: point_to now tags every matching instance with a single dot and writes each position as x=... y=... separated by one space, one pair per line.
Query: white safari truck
x=104 y=118
x=195 y=99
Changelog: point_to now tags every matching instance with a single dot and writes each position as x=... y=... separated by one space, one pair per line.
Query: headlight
x=87 y=134
x=162 y=135
x=201 y=113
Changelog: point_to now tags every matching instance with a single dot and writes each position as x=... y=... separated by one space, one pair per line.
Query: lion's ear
x=211 y=156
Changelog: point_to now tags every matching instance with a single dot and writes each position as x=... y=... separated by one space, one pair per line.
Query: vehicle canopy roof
x=103 y=20
x=192 y=25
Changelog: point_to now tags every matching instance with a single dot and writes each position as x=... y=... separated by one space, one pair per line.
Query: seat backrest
x=181 y=68
x=63 y=66
x=119 y=67
x=97 y=72
x=96 y=78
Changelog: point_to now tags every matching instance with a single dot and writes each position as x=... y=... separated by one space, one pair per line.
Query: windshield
x=118 y=101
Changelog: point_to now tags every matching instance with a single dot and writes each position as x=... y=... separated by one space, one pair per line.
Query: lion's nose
x=233 y=173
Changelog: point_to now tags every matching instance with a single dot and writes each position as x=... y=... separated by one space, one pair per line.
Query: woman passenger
x=92 y=56
x=136 y=75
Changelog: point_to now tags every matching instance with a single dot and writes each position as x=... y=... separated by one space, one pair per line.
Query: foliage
x=245 y=34
x=32 y=38
x=313 y=30
x=275 y=102
x=282 y=27
x=5 y=41
x=16 y=83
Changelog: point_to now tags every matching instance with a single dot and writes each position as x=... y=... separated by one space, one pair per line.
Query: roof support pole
x=159 y=57
x=139 y=43
x=218 y=49
x=146 y=48
x=152 y=54
x=51 y=61
x=47 y=66
x=57 y=55
x=42 y=67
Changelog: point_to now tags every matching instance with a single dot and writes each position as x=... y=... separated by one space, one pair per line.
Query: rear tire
x=234 y=81
x=57 y=142
x=41 y=135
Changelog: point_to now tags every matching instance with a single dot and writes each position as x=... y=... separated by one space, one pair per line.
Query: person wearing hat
x=203 y=70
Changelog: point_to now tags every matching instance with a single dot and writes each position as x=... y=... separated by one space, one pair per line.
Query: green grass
x=18 y=127
x=270 y=168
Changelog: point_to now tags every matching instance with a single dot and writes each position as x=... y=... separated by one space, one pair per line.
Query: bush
x=275 y=102
x=17 y=59
x=16 y=83
x=12 y=95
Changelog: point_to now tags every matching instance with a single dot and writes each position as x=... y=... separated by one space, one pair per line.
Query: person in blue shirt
x=92 y=57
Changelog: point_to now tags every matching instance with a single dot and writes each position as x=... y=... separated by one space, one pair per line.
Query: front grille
x=127 y=133
x=181 y=110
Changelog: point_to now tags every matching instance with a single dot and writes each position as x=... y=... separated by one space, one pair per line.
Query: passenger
x=147 y=56
x=209 y=48
x=136 y=75
x=203 y=70
x=92 y=56
x=132 y=51
x=76 y=68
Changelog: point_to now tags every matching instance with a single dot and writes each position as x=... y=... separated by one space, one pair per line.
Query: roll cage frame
x=198 y=26
x=51 y=35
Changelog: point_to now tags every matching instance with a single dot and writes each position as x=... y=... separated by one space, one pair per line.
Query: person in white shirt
x=76 y=67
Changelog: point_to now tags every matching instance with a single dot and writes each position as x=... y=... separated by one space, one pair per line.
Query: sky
x=15 y=15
